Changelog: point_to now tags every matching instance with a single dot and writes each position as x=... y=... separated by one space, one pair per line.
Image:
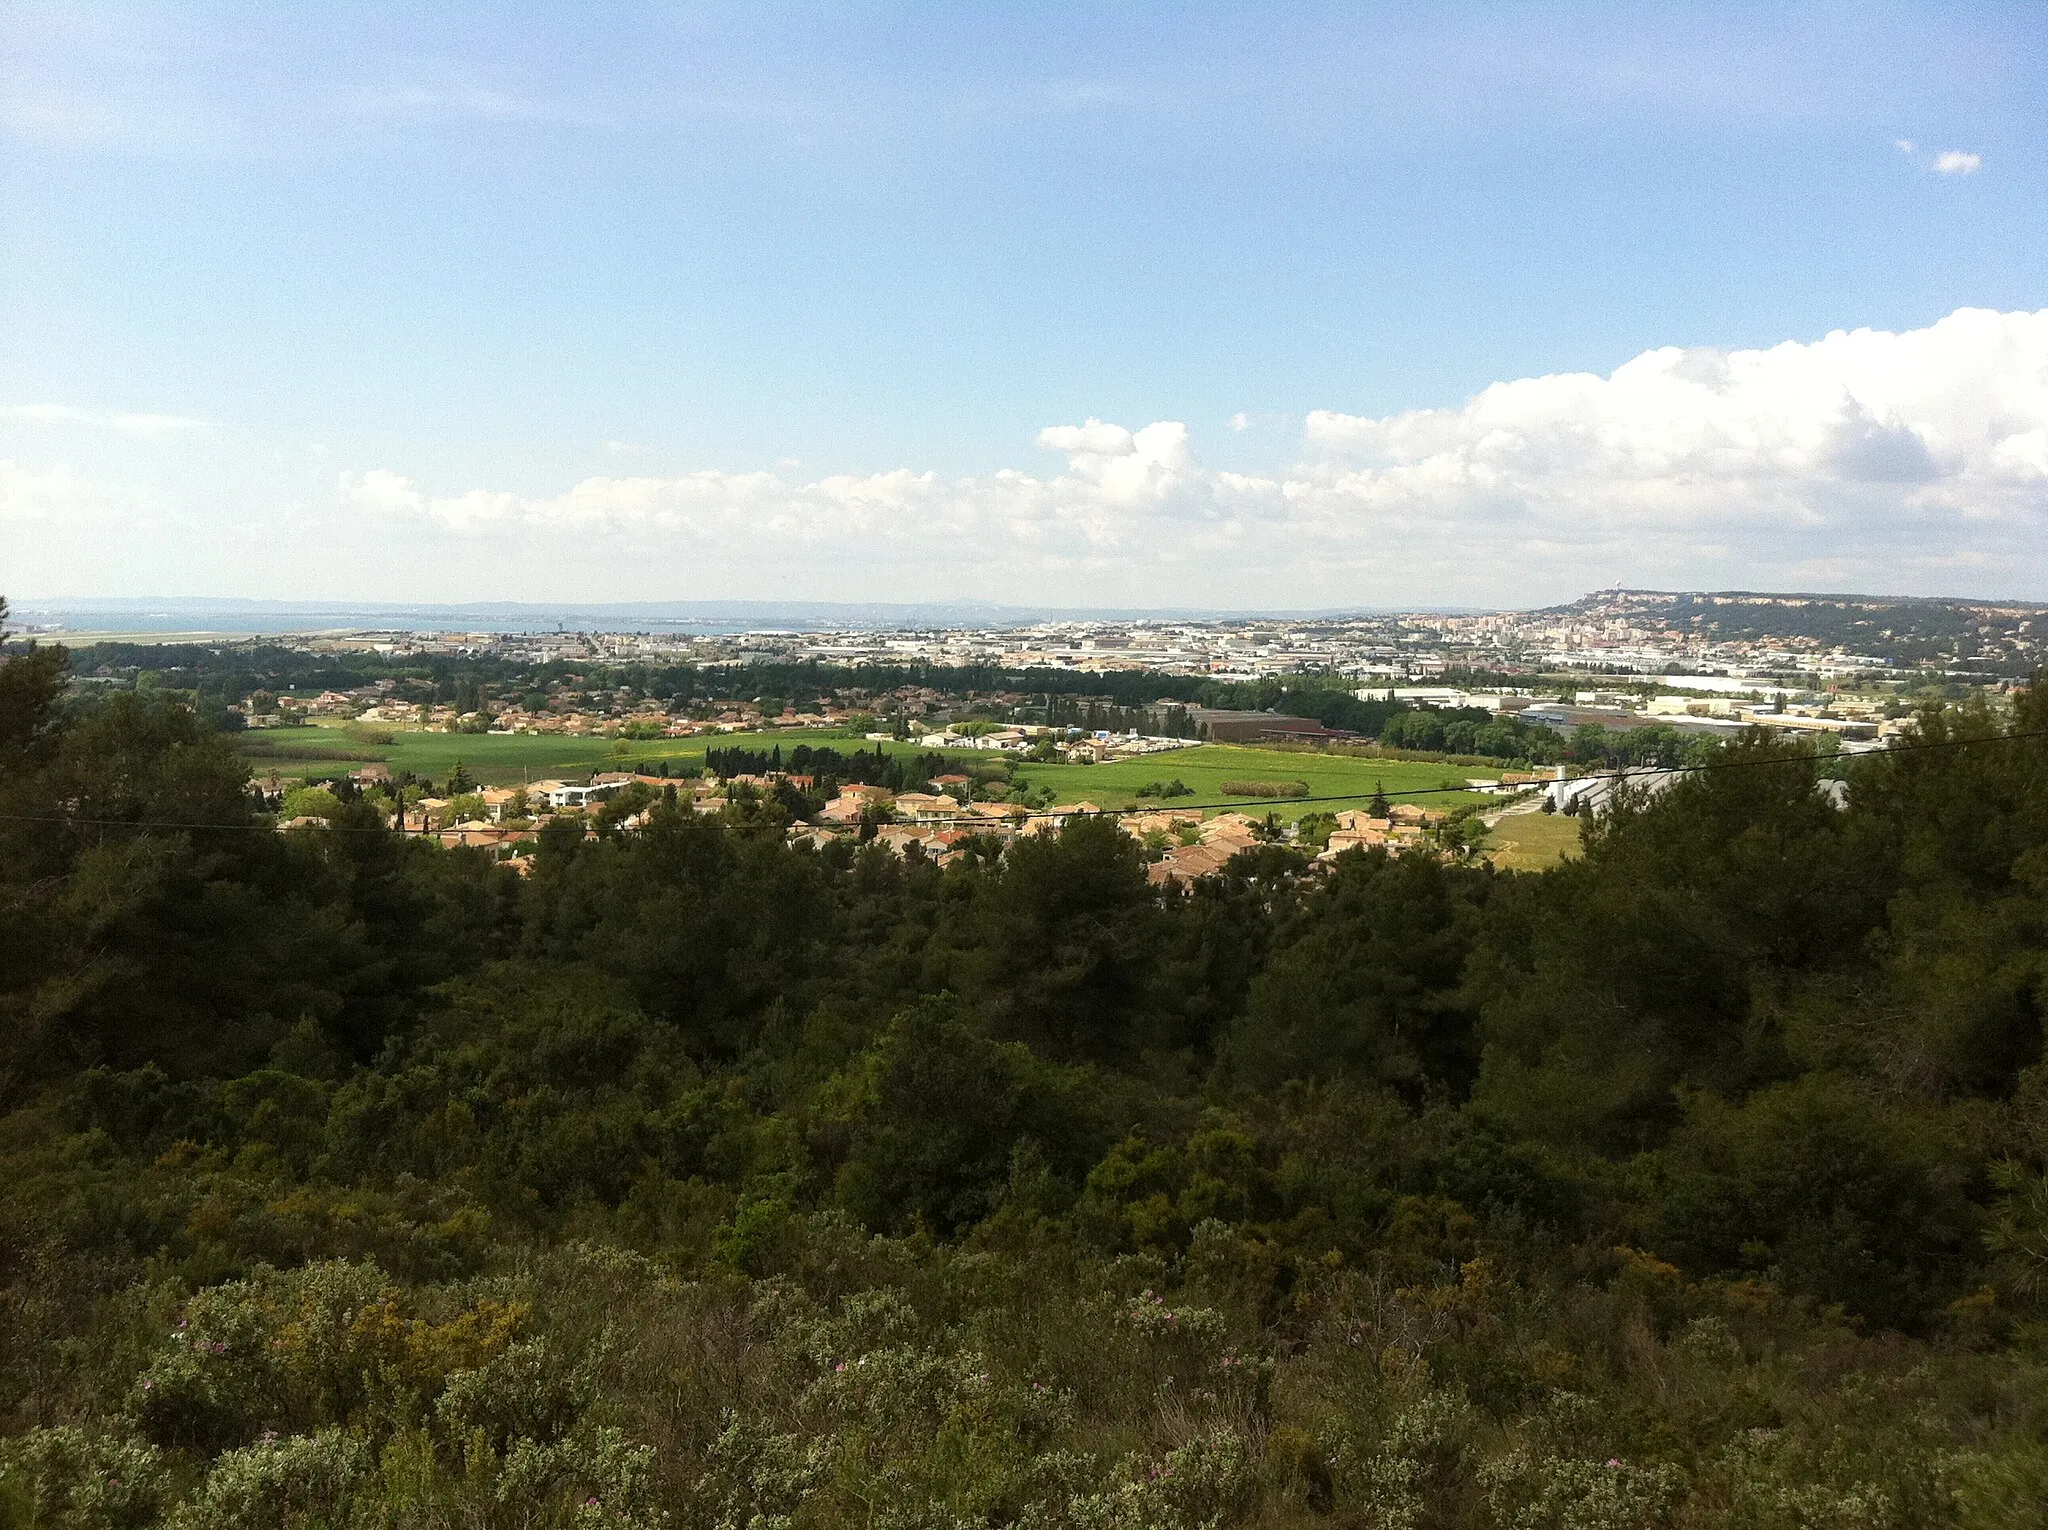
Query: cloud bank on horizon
x=1913 y=462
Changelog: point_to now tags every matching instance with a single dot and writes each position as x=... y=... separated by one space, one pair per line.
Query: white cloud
x=44 y=414
x=146 y=427
x=1094 y=438
x=1865 y=459
x=48 y=502
x=46 y=494
x=158 y=427
x=1865 y=448
x=627 y=448
x=1940 y=161
x=452 y=101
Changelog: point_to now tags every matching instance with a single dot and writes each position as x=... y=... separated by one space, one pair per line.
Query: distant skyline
x=1291 y=307
x=63 y=618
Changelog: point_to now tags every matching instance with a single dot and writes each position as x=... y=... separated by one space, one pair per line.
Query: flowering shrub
x=67 y=1479
x=1194 y=1486
x=757 y=1477
x=295 y=1350
x=1537 y=1492
x=525 y=1391
x=1420 y=1460
x=300 y=1480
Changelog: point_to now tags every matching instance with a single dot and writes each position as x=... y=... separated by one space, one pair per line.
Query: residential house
x=499 y=801
x=1410 y=815
x=1055 y=818
x=1233 y=831
x=1187 y=863
x=1342 y=840
x=926 y=805
x=1354 y=819
x=475 y=834
x=569 y=796
x=1167 y=821
x=1000 y=818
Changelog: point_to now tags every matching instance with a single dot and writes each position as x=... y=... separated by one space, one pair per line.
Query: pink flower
x=147 y=1383
x=840 y=1366
x=1614 y=1460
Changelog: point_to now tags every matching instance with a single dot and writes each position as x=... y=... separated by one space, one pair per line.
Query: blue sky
x=642 y=302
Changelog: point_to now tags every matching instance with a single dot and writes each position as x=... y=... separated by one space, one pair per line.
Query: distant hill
x=1901 y=629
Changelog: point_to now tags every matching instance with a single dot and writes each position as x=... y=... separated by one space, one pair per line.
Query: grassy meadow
x=1533 y=841
x=510 y=759
x=1207 y=767
x=493 y=759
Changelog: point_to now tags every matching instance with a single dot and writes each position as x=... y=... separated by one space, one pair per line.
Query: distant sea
x=707 y=617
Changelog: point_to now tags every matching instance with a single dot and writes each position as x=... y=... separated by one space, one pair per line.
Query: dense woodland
x=699 y=1180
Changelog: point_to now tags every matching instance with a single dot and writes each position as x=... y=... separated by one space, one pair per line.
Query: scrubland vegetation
x=699 y=1180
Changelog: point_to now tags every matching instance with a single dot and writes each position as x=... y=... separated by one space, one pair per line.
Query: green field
x=1533 y=841
x=509 y=760
x=493 y=759
x=1206 y=769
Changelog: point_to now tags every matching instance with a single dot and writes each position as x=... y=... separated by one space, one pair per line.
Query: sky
x=1283 y=305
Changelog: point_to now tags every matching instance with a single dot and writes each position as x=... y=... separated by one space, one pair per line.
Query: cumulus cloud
x=1861 y=447
x=1121 y=488
x=1940 y=161
x=1865 y=458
